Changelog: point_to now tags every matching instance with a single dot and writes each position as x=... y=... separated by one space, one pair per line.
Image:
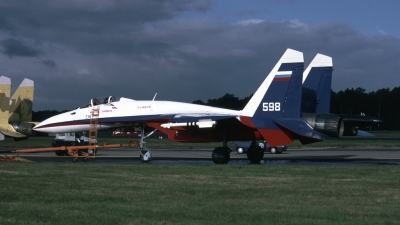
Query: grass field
x=58 y=193
x=78 y=193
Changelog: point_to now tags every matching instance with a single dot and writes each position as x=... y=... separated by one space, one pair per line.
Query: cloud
x=249 y=21
x=14 y=47
x=382 y=32
x=84 y=72
x=89 y=26
x=297 y=24
x=49 y=63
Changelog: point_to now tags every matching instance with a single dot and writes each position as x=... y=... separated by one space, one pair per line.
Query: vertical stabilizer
x=5 y=89
x=279 y=96
x=280 y=93
x=21 y=102
x=317 y=81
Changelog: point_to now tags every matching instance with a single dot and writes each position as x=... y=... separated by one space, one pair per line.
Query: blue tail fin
x=317 y=81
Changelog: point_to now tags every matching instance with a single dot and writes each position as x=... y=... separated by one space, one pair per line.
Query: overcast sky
x=188 y=50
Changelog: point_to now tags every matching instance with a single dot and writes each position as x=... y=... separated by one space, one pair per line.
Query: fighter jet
x=16 y=112
x=272 y=114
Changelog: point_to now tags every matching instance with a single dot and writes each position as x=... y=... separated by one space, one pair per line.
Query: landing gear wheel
x=221 y=155
x=145 y=156
x=255 y=154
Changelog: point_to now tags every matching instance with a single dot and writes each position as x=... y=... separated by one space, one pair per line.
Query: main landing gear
x=222 y=155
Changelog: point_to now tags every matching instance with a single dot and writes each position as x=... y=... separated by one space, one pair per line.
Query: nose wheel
x=145 y=156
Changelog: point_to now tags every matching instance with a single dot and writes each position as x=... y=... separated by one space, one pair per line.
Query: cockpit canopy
x=97 y=101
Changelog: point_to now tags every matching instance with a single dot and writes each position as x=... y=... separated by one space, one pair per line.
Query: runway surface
x=323 y=156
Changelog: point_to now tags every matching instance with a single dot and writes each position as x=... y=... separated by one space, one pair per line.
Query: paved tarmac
x=330 y=156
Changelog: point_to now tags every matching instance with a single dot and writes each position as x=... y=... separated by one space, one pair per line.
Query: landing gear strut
x=145 y=154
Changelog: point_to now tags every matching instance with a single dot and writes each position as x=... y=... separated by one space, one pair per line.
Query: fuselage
x=126 y=111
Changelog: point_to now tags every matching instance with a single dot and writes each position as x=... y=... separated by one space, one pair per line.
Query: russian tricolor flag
x=283 y=76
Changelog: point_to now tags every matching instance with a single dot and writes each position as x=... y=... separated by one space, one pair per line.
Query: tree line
x=383 y=104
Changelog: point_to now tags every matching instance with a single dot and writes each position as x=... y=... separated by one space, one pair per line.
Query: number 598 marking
x=271 y=106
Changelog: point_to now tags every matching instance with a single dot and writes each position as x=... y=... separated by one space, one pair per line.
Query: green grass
x=77 y=193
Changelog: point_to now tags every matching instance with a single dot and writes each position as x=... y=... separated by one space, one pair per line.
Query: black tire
x=221 y=155
x=255 y=154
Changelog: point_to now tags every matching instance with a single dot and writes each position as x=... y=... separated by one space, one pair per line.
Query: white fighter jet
x=272 y=114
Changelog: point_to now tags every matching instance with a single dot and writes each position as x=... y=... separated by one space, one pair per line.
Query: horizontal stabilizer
x=301 y=128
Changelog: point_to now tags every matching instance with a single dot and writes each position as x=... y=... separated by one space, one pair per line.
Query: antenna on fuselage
x=154 y=97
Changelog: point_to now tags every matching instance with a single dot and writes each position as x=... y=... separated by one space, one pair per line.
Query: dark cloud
x=49 y=63
x=137 y=48
x=14 y=47
x=4 y=24
x=90 y=26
